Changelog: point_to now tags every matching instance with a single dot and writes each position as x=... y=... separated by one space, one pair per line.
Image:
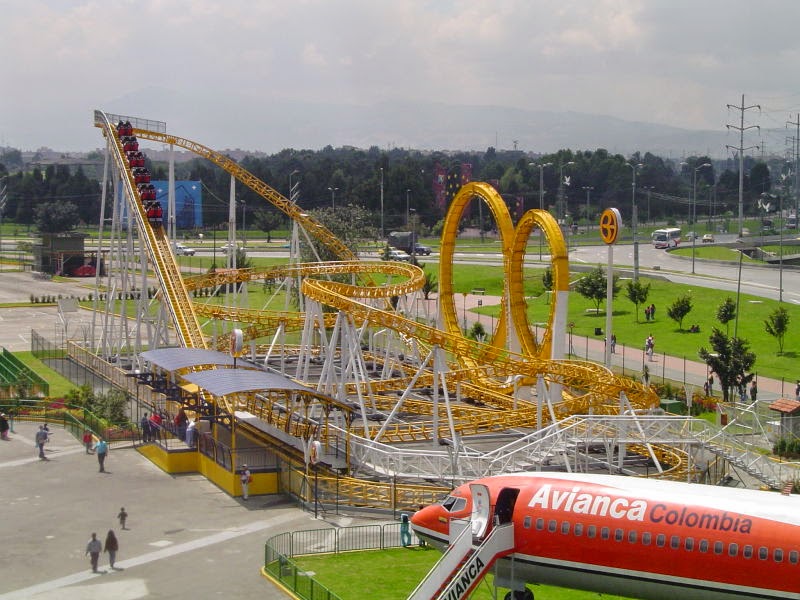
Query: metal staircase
x=463 y=565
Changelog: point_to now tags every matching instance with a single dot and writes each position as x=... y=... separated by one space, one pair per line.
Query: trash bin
x=598 y=331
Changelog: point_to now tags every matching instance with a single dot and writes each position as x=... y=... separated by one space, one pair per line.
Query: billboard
x=188 y=202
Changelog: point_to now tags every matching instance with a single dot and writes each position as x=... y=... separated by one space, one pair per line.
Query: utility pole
x=741 y=129
x=796 y=150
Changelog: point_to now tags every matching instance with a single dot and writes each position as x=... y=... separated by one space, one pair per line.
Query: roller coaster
x=407 y=397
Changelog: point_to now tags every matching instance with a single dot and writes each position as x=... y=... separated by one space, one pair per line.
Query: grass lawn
x=669 y=337
x=59 y=385
x=393 y=574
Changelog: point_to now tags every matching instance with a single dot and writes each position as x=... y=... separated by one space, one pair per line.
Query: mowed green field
x=394 y=573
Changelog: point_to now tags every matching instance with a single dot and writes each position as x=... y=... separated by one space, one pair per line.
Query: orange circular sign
x=610 y=224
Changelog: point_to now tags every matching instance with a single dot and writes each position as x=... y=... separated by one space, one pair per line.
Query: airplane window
x=619 y=535
x=578 y=529
x=747 y=551
x=526 y=523
x=777 y=555
x=565 y=527
x=794 y=557
x=539 y=524
x=703 y=546
x=591 y=531
x=454 y=504
x=646 y=538
x=718 y=547
x=763 y=553
x=552 y=526
x=661 y=539
x=688 y=544
x=674 y=542
x=733 y=549
x=632 y=537
x=605 y=533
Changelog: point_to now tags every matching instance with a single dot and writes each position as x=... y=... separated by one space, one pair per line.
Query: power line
x=741 y=129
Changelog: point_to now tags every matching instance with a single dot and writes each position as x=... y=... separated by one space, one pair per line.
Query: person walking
x=4 y=426
x=797 y=391
x=111 y=546
x=41 y=439
x=102 y=450
x=649 y=346
x=652 y=312
x=245 y=478
x=753 y=391
x=123 y=517
x=87 y=441
x=93 y=549
x=613 y=343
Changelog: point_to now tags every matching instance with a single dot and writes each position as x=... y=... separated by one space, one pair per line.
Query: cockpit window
x=454 y=504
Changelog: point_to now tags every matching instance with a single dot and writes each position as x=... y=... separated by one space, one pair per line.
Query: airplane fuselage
x=636 y=537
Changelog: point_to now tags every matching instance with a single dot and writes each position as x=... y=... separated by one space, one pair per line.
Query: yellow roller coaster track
x=485 y=369
x=158 y=247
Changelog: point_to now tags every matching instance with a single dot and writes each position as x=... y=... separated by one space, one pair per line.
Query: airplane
x=635 y=537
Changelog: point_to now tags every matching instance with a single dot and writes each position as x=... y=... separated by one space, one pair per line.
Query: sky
x=266 y=74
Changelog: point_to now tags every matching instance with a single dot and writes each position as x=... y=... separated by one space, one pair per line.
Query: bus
x=666 y=238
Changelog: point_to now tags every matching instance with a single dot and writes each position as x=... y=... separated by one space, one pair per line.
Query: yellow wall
x=195 y=462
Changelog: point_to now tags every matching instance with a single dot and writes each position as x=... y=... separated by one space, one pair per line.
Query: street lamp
x=382 y=234
x=694 y=207
x=541 y=198
x=292 y=197
x=333 y=197
x=588 y=189
x=634 y=222
x=408 y=192
x=561 y=200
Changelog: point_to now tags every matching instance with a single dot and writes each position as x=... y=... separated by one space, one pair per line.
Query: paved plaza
x=185 y=538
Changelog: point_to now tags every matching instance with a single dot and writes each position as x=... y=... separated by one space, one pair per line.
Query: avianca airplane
x=641 y=538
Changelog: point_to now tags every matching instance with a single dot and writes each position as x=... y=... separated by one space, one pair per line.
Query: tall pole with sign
x=610 y=222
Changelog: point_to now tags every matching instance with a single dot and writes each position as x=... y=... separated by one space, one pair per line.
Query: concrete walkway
x=185 y=538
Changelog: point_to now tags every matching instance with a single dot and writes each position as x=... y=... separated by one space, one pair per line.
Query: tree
x=777 y=324
x=430 y=285
x=267 y=221
x=547 y=279
x=56 y=217
x=592 y=286
x=678 y=310
x=726 y=312
x=637 y=293
x=731 y=359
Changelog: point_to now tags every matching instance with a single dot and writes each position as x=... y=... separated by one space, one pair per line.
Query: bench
x=478 y=291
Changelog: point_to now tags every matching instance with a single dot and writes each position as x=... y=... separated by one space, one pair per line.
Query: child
x=122 y=516
x=87 y=441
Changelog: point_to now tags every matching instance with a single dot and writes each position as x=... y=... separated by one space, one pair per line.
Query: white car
x=227 y=247
x=400 y=255
x=182 y=250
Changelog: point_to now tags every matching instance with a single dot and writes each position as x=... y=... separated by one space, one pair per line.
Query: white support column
x=171 y=225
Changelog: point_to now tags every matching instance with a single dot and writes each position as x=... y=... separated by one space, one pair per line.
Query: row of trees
x=729 y=357
x=592 y=181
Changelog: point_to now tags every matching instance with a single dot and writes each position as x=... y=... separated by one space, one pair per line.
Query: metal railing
x=281 y=549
